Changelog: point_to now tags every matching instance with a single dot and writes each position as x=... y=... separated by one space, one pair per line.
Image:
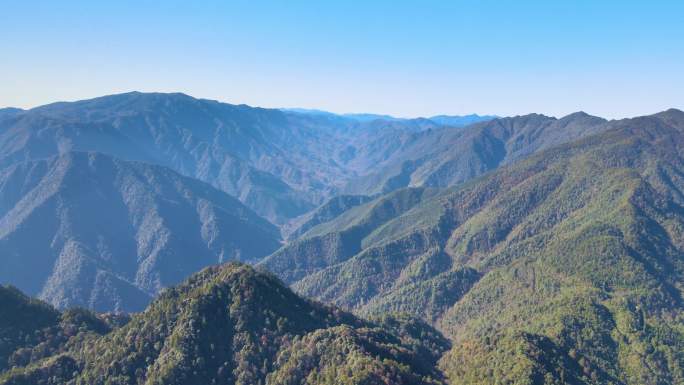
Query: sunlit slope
x=567 y=266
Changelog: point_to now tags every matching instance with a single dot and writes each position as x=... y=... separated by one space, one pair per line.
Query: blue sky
x=406 y=58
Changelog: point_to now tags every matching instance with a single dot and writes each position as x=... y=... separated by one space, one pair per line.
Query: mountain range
x=462 y=250
x=445 y=120
x=280 y=163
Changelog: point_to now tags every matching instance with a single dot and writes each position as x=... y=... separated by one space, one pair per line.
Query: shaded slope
x=31 y=330
x=20 y=318
x=86 y=229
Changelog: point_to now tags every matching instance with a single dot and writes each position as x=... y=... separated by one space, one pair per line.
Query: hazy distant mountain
x=224 y=325
x=89 y=230
x=359 y=117
x=281 y=164
x=260 y=156
x=8 y=112
x=310 y=111
x=564 y=263
x=364 y=117
x=461 y=120
x=443 y=120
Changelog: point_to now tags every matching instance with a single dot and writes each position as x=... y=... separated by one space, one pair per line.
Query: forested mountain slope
x=31 y=330
x=567 y=267
x=233 y=325
x=90 y=230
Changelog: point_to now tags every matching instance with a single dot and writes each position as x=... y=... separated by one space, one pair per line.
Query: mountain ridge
x=280 y=164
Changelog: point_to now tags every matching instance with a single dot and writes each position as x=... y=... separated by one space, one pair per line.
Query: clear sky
x=406 y=58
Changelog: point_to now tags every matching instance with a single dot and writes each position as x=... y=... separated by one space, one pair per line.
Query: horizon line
x=313 y=110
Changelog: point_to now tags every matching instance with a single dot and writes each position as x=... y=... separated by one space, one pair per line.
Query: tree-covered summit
x=231 y=324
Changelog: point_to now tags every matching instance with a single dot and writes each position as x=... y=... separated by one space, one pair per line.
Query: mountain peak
x=461 y=120
x=672 y=112
x=10 y=110
x=115 y=104
x=672 y=117
x=227 y=274
x=580 y=115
